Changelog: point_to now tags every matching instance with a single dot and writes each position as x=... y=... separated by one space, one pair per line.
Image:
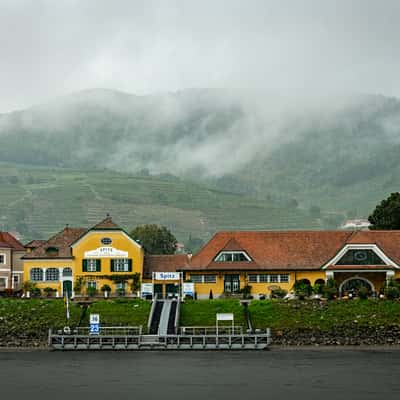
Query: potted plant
x=36 y=292
x=106 y=289
x=49 y=291
x=78 y=285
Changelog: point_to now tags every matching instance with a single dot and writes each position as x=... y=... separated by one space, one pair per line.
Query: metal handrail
x=153 y=307
x=110 y=330
x=211 y=330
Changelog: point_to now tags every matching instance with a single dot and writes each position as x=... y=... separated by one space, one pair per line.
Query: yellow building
x=80 y=261
x=265 y=261
x=86 y=261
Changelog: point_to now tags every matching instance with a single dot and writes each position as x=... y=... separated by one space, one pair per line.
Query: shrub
x=78 y=285
x=330 y=289
x=105 y=288
x=392 y=290
x=246 y=290
x=91 y=291
x=278 y=293
x=302 y=289
x=363 y=293
x=36 y=292
x=135 y=286
x=28 y=286
x=318 y=288
x=49 y=291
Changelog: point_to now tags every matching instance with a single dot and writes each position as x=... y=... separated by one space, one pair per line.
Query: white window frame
x=91 y=265
x=91 y=284
x=68 y=274
x=268 y=278
x=5 y=258
x=121 y=262
x=197 y=276
x=221 y=253
x=253 y=276
x=37 y=280
x=202 y=279
x=214 y=280
x=53 y=270
x=372 y=247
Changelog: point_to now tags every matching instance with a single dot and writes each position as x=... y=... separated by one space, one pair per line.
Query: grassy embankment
x=26 y=322
x=29 y=320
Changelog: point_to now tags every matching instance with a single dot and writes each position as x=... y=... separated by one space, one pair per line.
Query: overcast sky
x=53 y=47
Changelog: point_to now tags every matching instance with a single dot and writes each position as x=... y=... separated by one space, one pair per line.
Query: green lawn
x=31 y=319
x=202 y=312
x=324 y=316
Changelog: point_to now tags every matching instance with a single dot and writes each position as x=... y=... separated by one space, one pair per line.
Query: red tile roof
x=35 y=243
x=289 y=250
x=358 y=267
x=9 y=241
x=61 y=241
x=164 y=263
x=106 y=224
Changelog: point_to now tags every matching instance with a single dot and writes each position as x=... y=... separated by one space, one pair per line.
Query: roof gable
x=106 y=224
x=61 y=241
x=9 y=241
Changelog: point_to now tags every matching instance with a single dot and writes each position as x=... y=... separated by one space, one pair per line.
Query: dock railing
x=211 y=330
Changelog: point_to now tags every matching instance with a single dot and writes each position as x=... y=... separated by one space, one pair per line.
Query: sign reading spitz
x=106 y=252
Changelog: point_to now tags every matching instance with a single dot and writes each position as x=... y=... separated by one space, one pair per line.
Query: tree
x=155 y=239
x=386 y=214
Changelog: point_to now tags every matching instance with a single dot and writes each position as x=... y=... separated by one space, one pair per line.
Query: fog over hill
x=339 y=152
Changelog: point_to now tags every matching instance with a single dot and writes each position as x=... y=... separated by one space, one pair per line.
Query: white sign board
x=225 y=317
x=94 y=318
x=94 y=328
x=106 y=252
x=167 y=276
x=188 y=289
x=147 y=288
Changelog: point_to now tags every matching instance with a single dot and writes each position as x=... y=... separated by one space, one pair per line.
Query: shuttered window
x=121 y=265
x=91 y=265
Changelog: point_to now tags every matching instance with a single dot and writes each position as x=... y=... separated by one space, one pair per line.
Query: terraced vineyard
x=38 y=202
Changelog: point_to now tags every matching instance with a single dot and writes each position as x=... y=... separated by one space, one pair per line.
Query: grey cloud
x=51 y=48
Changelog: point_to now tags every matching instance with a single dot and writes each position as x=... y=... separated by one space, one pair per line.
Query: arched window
x=36 y=274
x=52 y=274
x=67 y=271
x=320 y=282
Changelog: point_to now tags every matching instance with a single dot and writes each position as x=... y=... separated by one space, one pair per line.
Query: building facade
x=82 y=261
x=11 y=265
x=265 y=261
x=86 y=261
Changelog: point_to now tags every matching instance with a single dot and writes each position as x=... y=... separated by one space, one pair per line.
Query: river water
x=276 y=374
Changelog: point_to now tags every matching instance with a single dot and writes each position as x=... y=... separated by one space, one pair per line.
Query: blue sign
x=94 y=329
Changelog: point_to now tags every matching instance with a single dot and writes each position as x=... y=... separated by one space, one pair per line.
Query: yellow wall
x=60 y=264
x=260 y=288
x=91 y=241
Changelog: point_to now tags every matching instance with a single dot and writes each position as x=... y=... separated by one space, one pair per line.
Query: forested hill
x=339 y=153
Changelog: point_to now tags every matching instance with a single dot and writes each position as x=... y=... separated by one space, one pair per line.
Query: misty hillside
x=38 y=201
x=340 y=153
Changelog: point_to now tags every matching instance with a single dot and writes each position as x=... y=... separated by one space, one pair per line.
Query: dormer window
x=52 y=251
x=360 y=257
x=232 y=256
